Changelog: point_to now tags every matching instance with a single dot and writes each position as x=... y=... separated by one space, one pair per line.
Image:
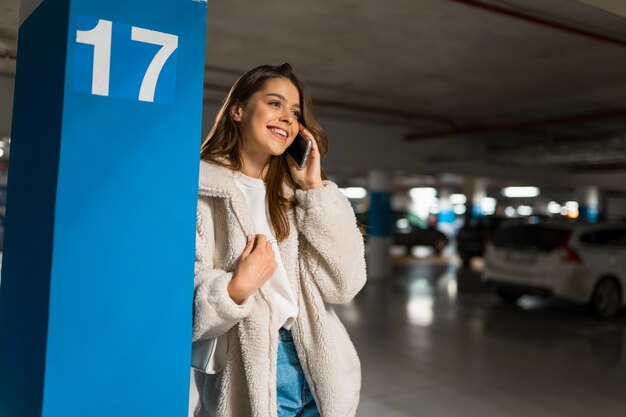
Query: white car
x=585 y=264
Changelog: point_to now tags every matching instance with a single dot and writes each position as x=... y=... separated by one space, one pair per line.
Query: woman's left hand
x=311 y=175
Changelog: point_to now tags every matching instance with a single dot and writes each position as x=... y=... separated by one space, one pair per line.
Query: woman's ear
x=236 y=111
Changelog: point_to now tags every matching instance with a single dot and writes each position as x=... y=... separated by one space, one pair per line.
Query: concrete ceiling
x=437 y=68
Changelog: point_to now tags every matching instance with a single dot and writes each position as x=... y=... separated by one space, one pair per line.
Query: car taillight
x=569 y=254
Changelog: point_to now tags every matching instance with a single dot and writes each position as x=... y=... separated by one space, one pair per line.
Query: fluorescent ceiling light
x=520 y=192
x=488 y=205
x=458 y=199
x=554 y=207
x=422 y=192
x=354 y=192
x=459 y=209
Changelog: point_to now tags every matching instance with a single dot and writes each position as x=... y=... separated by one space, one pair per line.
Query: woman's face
x=269 y=119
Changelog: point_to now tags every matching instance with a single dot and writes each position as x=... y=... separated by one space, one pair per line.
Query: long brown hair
x=222 y=145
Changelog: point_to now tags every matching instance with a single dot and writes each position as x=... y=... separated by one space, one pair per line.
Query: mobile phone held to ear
x=299 y=150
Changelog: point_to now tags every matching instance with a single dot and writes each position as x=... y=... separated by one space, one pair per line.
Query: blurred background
x=496 y=133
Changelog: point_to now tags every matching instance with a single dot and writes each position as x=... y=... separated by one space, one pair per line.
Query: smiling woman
x=268 y=123
x=236 y=144
x=271 y=259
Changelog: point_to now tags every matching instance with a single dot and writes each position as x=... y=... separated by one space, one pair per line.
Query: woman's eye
x=296 y=114
x=275 y=103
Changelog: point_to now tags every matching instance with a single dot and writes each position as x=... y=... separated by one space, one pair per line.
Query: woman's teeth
x=279 y=131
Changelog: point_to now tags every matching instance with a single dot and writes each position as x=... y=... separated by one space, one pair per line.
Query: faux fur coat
x=324 y=260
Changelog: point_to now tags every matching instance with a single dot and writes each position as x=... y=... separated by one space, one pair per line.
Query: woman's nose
x=287 y=116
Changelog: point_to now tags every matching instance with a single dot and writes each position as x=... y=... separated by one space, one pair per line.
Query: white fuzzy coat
x=324 y=260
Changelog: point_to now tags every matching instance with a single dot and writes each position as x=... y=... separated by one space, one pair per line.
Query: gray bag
x=201 y=353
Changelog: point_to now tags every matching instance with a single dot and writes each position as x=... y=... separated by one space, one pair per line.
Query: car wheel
x=510 y=296
x=607 y=298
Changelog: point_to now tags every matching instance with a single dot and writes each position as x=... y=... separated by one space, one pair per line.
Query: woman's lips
x=273 y=130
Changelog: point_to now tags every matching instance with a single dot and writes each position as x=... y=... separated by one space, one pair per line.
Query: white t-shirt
x=282 y=298
x=284 y=303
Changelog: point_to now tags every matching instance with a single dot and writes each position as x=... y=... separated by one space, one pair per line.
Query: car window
x=530 y=237
x=605 y=237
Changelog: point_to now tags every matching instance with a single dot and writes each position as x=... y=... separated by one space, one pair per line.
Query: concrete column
x=98 y=263
x=479 y=192
x=446 y=214
x=475 y=190
x=540 y=206
x=588 y=203
x=380 y=226
x=446 y=217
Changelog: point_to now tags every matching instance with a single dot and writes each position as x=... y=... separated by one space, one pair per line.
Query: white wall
x=360 y=145
x=616 y=208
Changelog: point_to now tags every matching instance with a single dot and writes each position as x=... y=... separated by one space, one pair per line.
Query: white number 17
x=169 y=44
x=100 y=38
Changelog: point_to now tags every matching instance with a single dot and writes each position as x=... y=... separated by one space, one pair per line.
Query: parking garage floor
x=434 y=343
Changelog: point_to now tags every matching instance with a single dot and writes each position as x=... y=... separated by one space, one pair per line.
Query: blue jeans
x=293 y=393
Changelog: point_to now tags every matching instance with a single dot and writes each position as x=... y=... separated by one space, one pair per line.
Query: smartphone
x=299 y=150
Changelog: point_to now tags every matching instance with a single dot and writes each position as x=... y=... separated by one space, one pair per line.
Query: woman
x=276 y=247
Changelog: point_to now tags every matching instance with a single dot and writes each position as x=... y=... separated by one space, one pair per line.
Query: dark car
x=409 y=231
x=477 y=231
x=472 y=236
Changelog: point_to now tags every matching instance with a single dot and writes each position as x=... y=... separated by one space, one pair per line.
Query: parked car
x=471 y=238
x=582 y=263
x=410 y=231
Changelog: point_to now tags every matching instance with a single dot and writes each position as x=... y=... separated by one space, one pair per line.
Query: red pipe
x=544 y=22
x=520 y=125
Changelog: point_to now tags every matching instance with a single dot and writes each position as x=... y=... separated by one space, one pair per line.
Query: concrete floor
x=434 y=343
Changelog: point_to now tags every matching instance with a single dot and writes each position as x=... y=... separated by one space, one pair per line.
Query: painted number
x=100 y=37
x=169 y=43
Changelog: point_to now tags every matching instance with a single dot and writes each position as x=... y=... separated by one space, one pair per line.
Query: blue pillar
x=446 y=212
x=588 y=213
x=589 y=202
x=97 y=274
x=475 y=196
x=380 y=225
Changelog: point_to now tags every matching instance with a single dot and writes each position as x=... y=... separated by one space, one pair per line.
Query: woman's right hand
x=256 y=265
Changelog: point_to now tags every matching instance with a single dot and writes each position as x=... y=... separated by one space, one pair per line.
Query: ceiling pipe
x=378 y=111
x=532 y=123
x=544 y=22
x=520 y=125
